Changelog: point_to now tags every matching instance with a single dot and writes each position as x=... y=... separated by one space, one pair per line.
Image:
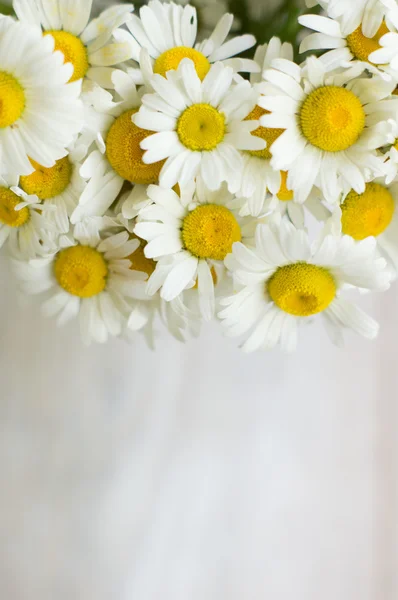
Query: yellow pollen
x=81 y=271
x=139 y=262
x=284 y=194
x=50 y=182
x=124 y=152
x=8 y=215
x=361 y=46
x=332 y=118
x=209 y=231
x=269 y=134
x=302 y=289
x=74 y=51
x=367 y=214
x=201 y=127
x=12 y=99
x=169 y=61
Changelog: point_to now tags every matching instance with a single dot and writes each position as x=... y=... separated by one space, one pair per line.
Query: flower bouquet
x=148 y=179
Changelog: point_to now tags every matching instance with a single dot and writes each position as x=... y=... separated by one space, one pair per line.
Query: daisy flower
x=258 y=176
x=285 y=202
x=189 y=236
x=87 y=46
x=40 y=114
x=90 y=279
x=168 y=32
x=22 y=225
x=57 y=189
x=200 y=127
x=119 y=157
x=178 y=317
x=345 y=49
x=333 y=124
x=387 y=51
x=352 y=13
x=372 y=214
x=285 y=280
x=391 y=154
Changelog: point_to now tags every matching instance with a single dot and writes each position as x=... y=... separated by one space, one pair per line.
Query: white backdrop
x=196 y=472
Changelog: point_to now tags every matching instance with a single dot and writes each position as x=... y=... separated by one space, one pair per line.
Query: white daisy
x=285 y=280
x=387 y=51
x=40 y=114
x=258 y=176
x=285 y=202
x=90 y=279
x=200 y=126
x=345 y=49
x=168 y=32
x=57 y=189
x=23 y=227
x=391 y=153
x=118 y=157
x=86 y=44
x=372 y=214
x=351 y=13
x=189 y=236
x=178 y=316
x=333 y=124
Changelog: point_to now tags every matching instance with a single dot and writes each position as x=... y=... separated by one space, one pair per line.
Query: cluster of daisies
x=150 y=181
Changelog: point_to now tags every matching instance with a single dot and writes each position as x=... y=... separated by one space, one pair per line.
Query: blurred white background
x=196 y=472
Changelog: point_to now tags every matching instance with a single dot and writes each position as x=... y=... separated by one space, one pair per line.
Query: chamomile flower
x=90 y=279
x=345 y=49
x=189 y=236
x=119 y=156
x=285 y=202
x=22 y=225
x=372 y=214
x=391 y=154
x=87 y=46
x=354 y=12
x=285 y=280
x=387 y=51
x=334 y=124
x=168 y=32
x=147 y=310
x=259 y=179
x=57 y=189
x=40 y=113
x=200 y=127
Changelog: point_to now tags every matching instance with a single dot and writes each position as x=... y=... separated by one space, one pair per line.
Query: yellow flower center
x=209 y=231
x=12 y=99
x=302 y=289
x=361 y=46
x=81 y=271
x=74 y=51
x=284 y=194
x=8 y=215
x=367 y=214
x=49 y=182
x=332 y=118
x=269 y=134
x=124 y=152
x=201 y=127
x=139 y=262
x=169 y=61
